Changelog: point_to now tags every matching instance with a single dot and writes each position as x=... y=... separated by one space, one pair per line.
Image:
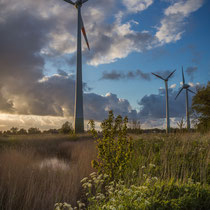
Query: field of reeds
x=38 y=171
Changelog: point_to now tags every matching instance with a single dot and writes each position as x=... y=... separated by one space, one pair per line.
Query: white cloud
x=135 y=6
x=173 y=86
x=172 y=25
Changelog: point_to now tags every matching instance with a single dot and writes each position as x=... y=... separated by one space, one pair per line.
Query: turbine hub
x=185 y=86
x=78 y=3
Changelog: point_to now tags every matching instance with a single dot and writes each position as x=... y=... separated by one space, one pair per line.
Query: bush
x=152 y=194
x=114 y=148
x=66 y=128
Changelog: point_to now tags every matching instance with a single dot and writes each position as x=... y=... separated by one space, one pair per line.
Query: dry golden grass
x=26 y=182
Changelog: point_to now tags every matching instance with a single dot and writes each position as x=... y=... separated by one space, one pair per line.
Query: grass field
x=38 y=171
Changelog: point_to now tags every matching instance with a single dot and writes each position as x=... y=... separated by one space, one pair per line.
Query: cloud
x=173 y=86
x=117 y=75
x=113 y=75
x=32 y=32
x=154 y=106
x=134 y=6
x=174 y=20
x=191 y=70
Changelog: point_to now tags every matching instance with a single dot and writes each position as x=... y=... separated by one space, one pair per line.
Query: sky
x=128 y=40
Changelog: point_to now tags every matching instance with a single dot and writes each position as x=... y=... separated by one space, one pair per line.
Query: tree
x=14 y=130
x=34 y=131
x=22 y=131
x=66 y=128
x=181 y=124
x=201 y=107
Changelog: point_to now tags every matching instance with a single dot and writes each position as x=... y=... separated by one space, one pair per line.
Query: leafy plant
x=114 y=148
x=152 y=194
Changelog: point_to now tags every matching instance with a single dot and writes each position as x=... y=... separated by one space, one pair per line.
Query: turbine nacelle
x=165 y=79
x=78 y=4
x=186 y=86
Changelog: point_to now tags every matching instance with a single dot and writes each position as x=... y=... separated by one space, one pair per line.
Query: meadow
x=37 y=171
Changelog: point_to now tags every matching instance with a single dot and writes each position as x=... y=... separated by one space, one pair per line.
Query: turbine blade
x=70 y=2
x=191 y=91
x=84 y=32
x=170 y=74
x=179 y=92
x=158 y=76
x=183 y=76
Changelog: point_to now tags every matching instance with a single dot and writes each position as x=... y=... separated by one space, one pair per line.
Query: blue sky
x=129 y=39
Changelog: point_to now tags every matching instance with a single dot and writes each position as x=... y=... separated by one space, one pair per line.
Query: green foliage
x=114 y=148
x=66 y=128
x=34 y=131
x=201 y=106
x=152 y=194
x=179 y=157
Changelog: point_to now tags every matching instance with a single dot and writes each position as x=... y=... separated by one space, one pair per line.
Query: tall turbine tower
x=167 y=103
x=78 y=107
x=186 y=87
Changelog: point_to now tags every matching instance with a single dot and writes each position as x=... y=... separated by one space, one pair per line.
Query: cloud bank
x=34 y=31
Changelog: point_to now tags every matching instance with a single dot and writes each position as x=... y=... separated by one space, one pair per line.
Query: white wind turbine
x=186 y=87
x=167 y=102
x=78 y=107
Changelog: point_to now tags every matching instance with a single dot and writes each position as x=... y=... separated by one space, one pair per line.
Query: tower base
x=79 y=125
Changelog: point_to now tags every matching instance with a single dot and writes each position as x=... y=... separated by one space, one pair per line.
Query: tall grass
x=178 y=156
x=27 y=184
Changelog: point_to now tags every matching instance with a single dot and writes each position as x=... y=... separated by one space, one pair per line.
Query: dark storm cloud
x=117 y=75
x=22 y=38
x=154 y=105
x=191 y=70
x=113 y=75
x=23 y=87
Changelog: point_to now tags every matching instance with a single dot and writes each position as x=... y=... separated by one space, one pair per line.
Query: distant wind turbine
x=78 y=107
x=167 y=103
x=186 y=87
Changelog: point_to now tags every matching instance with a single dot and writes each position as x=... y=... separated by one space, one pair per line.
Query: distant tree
x=22 y=131
x=34 y=131
x=181 y=124
x=51 y=131
x=66 y=128
x=8 y=132
x=201 y=107
x=14 y=130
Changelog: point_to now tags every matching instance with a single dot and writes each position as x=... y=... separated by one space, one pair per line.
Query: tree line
x=66 y=128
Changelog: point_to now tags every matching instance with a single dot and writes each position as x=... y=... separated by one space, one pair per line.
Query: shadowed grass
x=24 y=184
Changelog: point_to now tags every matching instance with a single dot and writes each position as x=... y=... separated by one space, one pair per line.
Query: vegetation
x=201 y=108
x=149 y=171
x=66 y=128
x=38 y=171
x=162 y=172
x=152 y=194
x=114 y=148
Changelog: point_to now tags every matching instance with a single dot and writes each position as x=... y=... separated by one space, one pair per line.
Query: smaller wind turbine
x=167 y=103
x=186 y=87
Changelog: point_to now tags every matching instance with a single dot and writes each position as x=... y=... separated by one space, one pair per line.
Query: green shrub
x=152 y=194
x=114 y=148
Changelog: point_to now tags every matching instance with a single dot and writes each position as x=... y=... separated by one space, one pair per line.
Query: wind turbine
x=186 y=87
x=78 y=107
x=167 y=103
